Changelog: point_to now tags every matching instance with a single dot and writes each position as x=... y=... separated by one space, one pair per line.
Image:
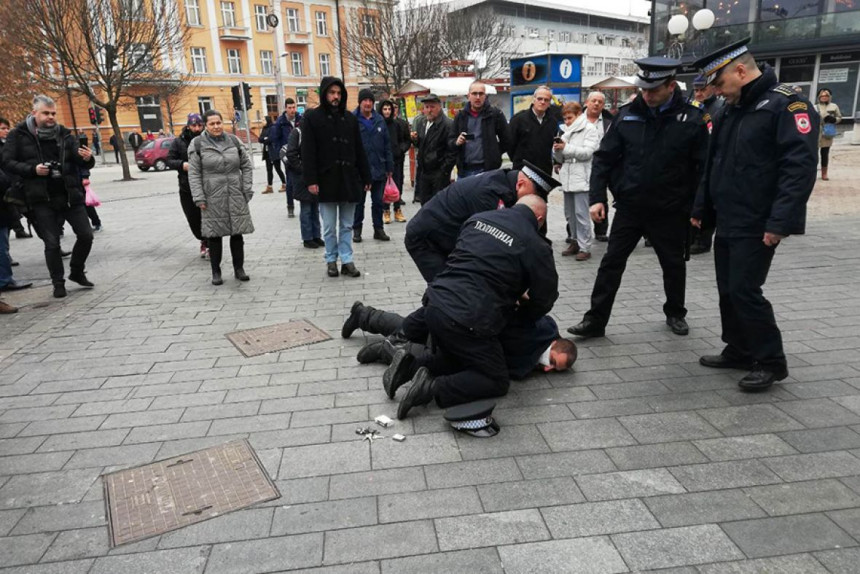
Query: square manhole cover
x=152 y=499
x=262 y=340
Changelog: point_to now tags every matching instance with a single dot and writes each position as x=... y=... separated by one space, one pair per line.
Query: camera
x=56 y=169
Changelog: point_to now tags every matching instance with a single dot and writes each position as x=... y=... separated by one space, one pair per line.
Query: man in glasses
x=480 y=134
x=532 y=131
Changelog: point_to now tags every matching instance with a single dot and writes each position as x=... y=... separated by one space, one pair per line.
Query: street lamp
x=678 y=24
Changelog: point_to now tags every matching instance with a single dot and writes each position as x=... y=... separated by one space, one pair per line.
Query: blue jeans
x=337 y=230
x=309 y=219
x=470 y=172
x=5 y=259
x=377 y=188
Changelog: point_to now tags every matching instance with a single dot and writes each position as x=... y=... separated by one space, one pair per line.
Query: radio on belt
x=383 y=421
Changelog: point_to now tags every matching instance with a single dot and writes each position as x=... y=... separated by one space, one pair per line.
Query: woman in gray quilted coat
x=220 y=174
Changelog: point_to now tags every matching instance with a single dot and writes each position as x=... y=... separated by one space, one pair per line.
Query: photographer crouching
x=47 y=159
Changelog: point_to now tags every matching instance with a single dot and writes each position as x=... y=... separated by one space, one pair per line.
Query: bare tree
x=104 y=47
x=172 y=93
x=19 y=82
x=478 y=34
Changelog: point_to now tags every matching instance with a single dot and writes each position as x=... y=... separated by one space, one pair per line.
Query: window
x=369 y=25
x=301 y=97
x=325 y=65
x=192 y=12
x=228 y=14
x=564 y=36
x=512 y=31
x=198 y=60
x=204 y=104
x=260 y=18
x=322 y=24
x=594 y=66
x=298 y=66
x=141 y=57
x=272 y=106
x=371 y=67
x=166 y=144
x=532 y=33
x=610 y=40
x=293 y=20
x=612 y=67
x=234 y=62
x=266 y=62
x=550 y=34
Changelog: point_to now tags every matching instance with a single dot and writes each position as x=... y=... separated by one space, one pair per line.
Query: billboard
x=561 y=72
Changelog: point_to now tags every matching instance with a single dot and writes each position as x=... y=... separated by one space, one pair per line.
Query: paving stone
x=811 y=466
x=57 y=426
x=750 y=419
x=468 y=473
x=178 y=561
x=592 y=518
x=628 y=484
x=417 y=449
x=819 y=389
x=717 y=475
x=225 y=411
x=429 y=504
x=797 y=564
x=329 y=416
x=323 y=516
x=24 y=549
x=376 y=482
x=90 y=543
x=266 y=555
x=47 y=488
x=510 y=416
x=814 y=413
x=24 y=463
x=848 y=520
x=587 y=434
x=703 y=508
x=239 y=525
x=655 y=455
x=802 y=497
x=529 y=494
x=824 y=439
x=676 y=547
x=250 y=424
x=9 y=518
x=581 y=556
x=787 y=535
x=519 y=440
x=301 y=490
x=173 y=448
x=21 y=445
x=297 y=404
x=492 y=529
x=668 y=427
x=741 y=447
x=564 y=464
x=61 y=517
x=79 y=440
x=76 y=567
x=143 y=418
x=380 y=542
x=353 y=568
x=479 y=561
x=37 y=414
x=290 y=437
x=160 y=433
x=188 y=400
x=132 y=455
x=11 y=429
x=335 y=458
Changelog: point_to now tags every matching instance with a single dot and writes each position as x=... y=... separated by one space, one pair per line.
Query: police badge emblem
x=803 y=124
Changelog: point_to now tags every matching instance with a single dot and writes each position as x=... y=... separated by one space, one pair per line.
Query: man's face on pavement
x=432 y=110
x=656 y=97
x=291 y=110
x=595 y=105
x=477 y=96
x=542 y=100
x=46 y=116
x=4 y=131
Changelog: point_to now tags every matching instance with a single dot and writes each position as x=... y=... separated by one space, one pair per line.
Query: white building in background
x=608 y=42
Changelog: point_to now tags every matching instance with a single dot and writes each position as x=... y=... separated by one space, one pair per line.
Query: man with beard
x=177 y=158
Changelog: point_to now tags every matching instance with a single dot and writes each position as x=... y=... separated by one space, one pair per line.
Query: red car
x=153 y=154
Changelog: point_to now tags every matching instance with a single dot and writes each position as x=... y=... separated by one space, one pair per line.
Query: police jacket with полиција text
x=441 y=218
x=654 y=159
x=762 y=163
x=499 y=256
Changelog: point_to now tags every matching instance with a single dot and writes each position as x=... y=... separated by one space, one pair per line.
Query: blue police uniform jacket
x=440 y=219
x=499 y=255
x=762 y=163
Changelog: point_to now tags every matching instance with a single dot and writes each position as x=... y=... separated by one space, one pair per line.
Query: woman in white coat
x=579 y=141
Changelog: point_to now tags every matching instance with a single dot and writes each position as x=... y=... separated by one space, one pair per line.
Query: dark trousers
x=397 y=176
x=116 y=154
x=290 y=201
x=377 y=188
x=825 y=156
x=427 y=256
x=93 y=215
x=48 y=223
x=467 y=367
x=273 y=166
x=192 y=214
x=668 y=234
x=309 y=220
x=749 y=327
x=429 y=184
x=703 y=237
x=379 y=322
x=237 y=251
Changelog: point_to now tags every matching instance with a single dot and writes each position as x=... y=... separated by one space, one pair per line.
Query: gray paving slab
x=842 y=561
x=27 y=549
x=47 y=488
x=429 y=504
x=796 y=564
x=478 y=561
x=492 y=529
x=71 y=567
x=565 y=464
x=817 y=465
x=178 y=561
x=787 y=535
x=383 y=541
x=61 y=517
x=655 y=455
x=529 y=494
x=719 y=475
x=803 y=497
x=848 y=520
x=593 y=518
x=672 y=547
x=579 y=556
x=703 y=507
x=586 y=434
x=323 y=516
x=628 y=484
x=668 y=427
x=742 y=447
x=234 y=526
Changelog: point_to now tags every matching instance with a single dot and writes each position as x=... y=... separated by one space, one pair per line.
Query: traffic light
x=246 y=90
x=93 y=116
x=99 y=118
x=237 y=103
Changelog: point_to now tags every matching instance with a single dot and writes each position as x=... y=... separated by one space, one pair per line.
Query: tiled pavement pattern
x=638 y=460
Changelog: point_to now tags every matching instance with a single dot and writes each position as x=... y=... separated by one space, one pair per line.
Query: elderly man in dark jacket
x=531 y=132
x=177 y=158
x=336 y=170
x=480 y=134
x=377 y=148
x=47 y=158
x=435 y=158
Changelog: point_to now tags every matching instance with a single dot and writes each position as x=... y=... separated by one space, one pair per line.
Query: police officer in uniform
x=654 y=154
x=706 y=95
x=499 y=256
x=432 y=232
x=761 y=171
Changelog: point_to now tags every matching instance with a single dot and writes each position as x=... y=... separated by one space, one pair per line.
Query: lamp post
x=272 y=20
x=678 y=25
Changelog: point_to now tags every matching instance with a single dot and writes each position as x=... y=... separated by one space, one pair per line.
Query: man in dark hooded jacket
x=177 y=158
x=398 y=135
x=336 y=170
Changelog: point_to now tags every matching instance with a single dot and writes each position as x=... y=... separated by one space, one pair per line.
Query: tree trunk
x=114 y=123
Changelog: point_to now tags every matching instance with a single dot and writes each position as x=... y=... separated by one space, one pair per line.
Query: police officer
x=761 y=170
x=500 y=255
x=705 y=94
x=654 y=154
x=432 y=232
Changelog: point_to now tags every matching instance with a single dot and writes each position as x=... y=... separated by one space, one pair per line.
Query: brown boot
x=572 y=249
x=824 y=174
x=7 y=309
x=399 y=217
x=283 y=188
x=583 y=256
x=268 y=189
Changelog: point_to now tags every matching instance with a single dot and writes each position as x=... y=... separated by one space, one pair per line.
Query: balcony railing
x=297 y=38
x=234 y=33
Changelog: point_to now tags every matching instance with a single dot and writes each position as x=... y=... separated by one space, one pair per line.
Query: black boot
x=353 y=321
x=369 y=353
x=400 y=371
x=356 y=234
x=59 y=290
x=80 y=278
x=422 y=391
x=216 y=277
x=380 y=235
x=240 y=274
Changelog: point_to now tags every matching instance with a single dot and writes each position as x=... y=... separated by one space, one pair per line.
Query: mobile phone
x=557 y=140
x=469 y=137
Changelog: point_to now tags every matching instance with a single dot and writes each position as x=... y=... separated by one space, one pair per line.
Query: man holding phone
x=480 y=134
x=47 y=158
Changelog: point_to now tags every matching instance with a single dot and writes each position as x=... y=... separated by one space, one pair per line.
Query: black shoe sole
x=397 y=373
x=351 y=323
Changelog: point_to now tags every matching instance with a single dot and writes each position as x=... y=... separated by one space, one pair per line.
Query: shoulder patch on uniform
x=706 y=117
x=696 y=103
x=762 y=104
x=802 y=122
x=784 y=89
x=797 y=106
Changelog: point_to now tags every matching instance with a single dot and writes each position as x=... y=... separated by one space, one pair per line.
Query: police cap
x=711 y=65
x=543 y=181
x=654 y=71
x=475 y=419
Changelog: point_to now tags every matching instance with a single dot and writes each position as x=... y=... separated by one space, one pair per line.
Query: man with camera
x=480 y=134
x=47 y=159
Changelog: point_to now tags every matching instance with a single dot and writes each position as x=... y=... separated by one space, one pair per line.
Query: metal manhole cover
x=262 y=340
x=152 y=499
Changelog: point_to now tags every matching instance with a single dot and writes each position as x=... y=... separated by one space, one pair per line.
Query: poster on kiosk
x=561 y=72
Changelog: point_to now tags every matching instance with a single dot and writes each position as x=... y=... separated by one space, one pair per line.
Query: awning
x=442 y=87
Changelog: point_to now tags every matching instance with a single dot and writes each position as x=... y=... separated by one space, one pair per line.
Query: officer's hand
x=597 y=212
x=772 y=239
x=314 y=189
x=697 y=223
x=42 y=169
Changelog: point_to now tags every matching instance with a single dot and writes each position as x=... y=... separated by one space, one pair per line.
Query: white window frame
x=371 y=66
x=321 y=19
x=325 y=64
x=368 y=25
x=234 y=61
x=260 y=13
x=204 y=104
x=301 y=100
x=267 y=62
x=297 y=64
x=199 y=65
x=564 y=37
x=293 y=24
x=192 y=13
x=228 y=14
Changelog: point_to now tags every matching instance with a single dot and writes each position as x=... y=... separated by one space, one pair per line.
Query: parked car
x=153 y=154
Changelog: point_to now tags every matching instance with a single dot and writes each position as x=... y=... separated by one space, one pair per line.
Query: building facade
x=812 y=44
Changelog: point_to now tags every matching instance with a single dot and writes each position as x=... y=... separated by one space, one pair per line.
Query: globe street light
x=678 y=25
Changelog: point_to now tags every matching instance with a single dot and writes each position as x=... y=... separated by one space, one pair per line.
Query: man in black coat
x=336 y=170
x=501 y=272
x=435 y=158
x=531 y=132
x=433 y=231
x=705 y=94
x=177 y=158
x=761 y=171
x=479 y=134
x=47 y=158
x=654 y=157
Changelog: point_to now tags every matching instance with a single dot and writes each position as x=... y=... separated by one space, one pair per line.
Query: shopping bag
x=92 y=200
x=391 y=193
